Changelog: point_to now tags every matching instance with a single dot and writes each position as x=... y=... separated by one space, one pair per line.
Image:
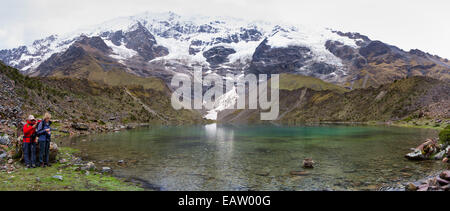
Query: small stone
x=411 y=187
x=423 y=187
x=404 y=174
x=308 y=163
x=106 y=170
x=58 y=177
x=264 y=174
x=357 y=183
x=90 y=166
x=38 y=179
x=445 y=175
x=10 y=161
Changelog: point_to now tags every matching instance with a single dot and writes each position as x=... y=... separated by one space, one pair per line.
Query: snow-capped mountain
x=219 y=44
x=160 y=44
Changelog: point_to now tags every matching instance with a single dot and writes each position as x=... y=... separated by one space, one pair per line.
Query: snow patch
x=226 y=101
x=178 y=50
x=313 y=38
x=244 y=51
x=120 y=52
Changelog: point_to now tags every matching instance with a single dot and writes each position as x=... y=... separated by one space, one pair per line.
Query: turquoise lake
x=260 y=157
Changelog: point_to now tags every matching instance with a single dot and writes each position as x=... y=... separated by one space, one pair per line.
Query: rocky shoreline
x=68 y=172
x=11 y=156
x=435 y=182
x=431 y=149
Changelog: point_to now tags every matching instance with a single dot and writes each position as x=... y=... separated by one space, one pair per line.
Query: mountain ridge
x=83 y=101
x=162 y=44
x=405 y=99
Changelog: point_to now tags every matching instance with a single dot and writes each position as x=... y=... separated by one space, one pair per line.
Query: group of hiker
x=37 y=132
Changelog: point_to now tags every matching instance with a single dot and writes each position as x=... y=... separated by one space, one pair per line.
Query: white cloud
x=407 y=24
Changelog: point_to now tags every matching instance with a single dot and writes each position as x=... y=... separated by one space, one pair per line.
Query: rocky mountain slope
x=411 y=98
x=161 y=44
x=83 y=101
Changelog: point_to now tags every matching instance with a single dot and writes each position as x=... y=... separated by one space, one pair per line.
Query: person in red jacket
x=29 y=142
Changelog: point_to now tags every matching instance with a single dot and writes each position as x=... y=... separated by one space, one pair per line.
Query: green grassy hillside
x=292 y=82
x=410 y=98
x=83 y=100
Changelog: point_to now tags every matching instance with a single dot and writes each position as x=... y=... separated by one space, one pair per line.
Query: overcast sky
x=405 y=23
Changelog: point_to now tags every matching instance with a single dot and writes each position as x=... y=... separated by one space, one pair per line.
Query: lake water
x=260 y=157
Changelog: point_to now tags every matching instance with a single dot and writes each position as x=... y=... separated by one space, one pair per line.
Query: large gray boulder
x=4 y=140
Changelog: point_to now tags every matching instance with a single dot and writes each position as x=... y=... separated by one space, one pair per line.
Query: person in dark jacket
x=43 y=133
x=29 y=142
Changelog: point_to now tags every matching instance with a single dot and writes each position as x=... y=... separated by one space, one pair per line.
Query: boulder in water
x=429 y=149
x=308 y=163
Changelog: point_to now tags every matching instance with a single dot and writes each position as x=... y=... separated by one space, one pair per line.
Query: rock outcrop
x=269 y=60
x=308 y=163
x=430 y=149
x=439 y=182
x=140 y=40
x=218 y=55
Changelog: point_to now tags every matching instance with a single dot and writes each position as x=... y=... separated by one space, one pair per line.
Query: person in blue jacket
x=43 y=132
